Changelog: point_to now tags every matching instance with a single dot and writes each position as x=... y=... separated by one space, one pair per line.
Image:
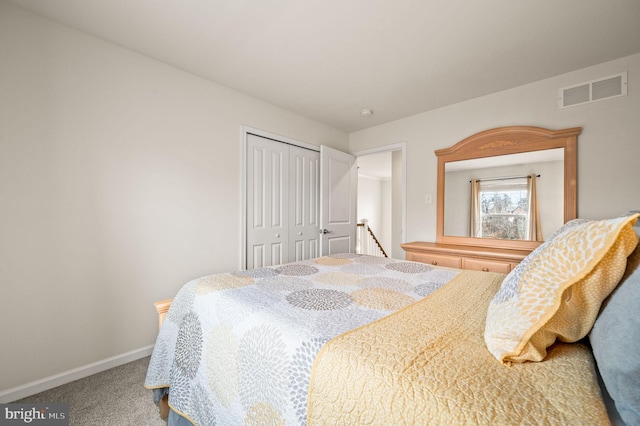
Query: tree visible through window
x=504 y=209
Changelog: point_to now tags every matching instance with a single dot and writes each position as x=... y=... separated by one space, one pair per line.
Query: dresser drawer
x=486 y=265
x=489 y=259
x=436 y=259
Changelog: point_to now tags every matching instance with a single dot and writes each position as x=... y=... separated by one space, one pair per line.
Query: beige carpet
x=113 y=397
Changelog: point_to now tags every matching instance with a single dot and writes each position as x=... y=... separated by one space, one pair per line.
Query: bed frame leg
x=164 y=407
x=162 y=307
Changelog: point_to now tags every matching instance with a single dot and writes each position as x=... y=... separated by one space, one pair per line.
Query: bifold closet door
x=267 y=202
x=304 y=199
x=282 y=202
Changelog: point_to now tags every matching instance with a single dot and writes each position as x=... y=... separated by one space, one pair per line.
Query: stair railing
x=367 y=242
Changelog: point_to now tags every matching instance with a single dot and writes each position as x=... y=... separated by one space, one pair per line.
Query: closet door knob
x=277 y=235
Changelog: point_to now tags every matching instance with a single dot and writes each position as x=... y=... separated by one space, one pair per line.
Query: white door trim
x=400 y=146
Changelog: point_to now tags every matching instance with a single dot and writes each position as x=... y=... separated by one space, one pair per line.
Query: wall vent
x=594 y=90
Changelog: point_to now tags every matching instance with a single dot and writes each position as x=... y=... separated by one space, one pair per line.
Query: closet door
x=267 y=202
x=283 y=202
x=304 y=189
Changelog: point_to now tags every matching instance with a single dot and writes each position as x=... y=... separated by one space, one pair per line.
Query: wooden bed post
x=162 y=306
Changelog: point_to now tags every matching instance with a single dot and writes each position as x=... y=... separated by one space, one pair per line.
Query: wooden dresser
x=486 y=259
x=487 y=254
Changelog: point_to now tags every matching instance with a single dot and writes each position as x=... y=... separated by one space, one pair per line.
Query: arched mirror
x=509 y=187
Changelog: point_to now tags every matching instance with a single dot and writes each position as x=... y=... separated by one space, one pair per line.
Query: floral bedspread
x=238 y=348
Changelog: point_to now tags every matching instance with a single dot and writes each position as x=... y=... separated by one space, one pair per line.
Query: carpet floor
x=113 y=397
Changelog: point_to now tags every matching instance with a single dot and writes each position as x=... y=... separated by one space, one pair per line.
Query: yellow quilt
x=428 y=364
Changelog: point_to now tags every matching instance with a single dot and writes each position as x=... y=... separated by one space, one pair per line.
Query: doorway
x=382 y=195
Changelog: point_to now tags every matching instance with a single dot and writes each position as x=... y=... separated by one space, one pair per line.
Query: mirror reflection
x=515 y=196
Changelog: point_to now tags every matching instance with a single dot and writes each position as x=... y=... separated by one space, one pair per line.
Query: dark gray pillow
x=615 y=339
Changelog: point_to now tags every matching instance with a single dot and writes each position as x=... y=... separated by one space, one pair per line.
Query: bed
x=350 y=339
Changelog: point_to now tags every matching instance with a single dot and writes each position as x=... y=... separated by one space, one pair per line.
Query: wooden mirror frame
x=503 y=141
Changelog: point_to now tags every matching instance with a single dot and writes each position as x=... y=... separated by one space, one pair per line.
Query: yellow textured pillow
x=556 y=292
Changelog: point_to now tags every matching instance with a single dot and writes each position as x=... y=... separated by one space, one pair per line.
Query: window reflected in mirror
x=505 y=208
x=513 y=197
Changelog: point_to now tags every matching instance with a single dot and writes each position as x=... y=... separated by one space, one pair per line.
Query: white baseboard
x=50 y=382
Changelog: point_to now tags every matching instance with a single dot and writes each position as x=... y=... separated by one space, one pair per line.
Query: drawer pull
x=485 y=269
x=435 y=262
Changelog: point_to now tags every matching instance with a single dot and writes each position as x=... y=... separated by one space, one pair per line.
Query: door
x=285 y=207
x=304 y=199
x=338 y=189
x=267 y=202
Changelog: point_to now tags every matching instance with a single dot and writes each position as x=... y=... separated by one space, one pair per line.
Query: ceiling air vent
x=595 y=90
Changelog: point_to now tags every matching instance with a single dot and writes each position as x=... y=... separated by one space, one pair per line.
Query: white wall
x=608 y=148
x=119 y=181
x=369 y=201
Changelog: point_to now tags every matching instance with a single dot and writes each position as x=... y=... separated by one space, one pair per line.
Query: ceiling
x=329 y=59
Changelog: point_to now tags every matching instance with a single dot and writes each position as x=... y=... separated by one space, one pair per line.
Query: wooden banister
x=373 y=237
